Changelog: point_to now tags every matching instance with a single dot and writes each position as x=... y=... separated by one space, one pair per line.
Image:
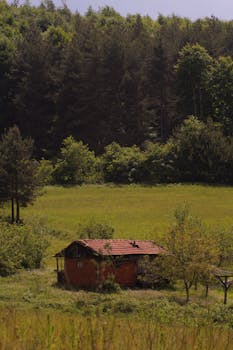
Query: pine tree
x=18 y=181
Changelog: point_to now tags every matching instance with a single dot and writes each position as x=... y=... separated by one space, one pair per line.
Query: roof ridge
x=115 y=239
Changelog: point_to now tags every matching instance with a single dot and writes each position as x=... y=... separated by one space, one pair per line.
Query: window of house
x=79 y=264
x=140 y=266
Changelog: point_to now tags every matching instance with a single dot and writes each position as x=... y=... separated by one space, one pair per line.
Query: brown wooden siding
x=80 y=272
x=125 y=274
x=89 y=273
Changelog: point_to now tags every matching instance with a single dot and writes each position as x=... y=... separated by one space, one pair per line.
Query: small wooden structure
x=223 y=277
x=86 y=263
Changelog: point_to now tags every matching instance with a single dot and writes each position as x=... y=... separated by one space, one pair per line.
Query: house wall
x=125 y=274
x=80 y=272
x=90 y=273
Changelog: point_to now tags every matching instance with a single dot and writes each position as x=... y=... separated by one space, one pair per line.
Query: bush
x=202 y=153
x=77 y=164
x=126 y=306
x=95 y=230
x=123 y=164
x=21 y=246
x=159 y=163
x=35 y=242
x=110 y=286
x=45 y=172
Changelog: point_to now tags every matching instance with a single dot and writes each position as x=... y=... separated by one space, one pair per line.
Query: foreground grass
x=36 y=314
x=36 y=330
x=37 y=290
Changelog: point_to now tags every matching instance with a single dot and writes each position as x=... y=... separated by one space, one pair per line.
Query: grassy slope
x=134 y=211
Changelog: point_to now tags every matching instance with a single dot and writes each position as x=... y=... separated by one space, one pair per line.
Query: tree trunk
x=194 y=103
x=17 y=211
x=17 y=199
x=12 y=210
x=187 y=291
x=195 y=284
x=201 y=104
x=225 y=295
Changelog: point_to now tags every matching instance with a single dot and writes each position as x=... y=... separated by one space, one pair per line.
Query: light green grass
x=134 y=211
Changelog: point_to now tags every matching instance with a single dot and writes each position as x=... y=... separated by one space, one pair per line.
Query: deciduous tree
x=192 y=74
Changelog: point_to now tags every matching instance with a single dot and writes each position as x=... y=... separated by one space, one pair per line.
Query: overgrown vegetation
x=37 y=330
x=192 y=254
x=21 y=247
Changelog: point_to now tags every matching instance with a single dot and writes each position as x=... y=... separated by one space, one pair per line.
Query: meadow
x=135 y=211
x=36 y=314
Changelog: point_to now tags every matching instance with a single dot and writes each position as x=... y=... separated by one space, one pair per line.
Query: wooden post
x=223 y=276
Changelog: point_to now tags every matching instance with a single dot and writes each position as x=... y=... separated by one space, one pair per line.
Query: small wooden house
x=86 y=263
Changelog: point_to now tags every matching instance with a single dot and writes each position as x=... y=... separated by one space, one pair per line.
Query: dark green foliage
x=19 y=183
x=33 y=102
x=201 y=152
x=221 y=90
x=192 y=75
x=102 y=78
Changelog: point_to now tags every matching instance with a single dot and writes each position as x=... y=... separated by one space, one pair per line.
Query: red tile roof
x=121 y=246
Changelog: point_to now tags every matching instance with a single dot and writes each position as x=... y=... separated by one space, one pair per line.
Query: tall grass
x=37 y=330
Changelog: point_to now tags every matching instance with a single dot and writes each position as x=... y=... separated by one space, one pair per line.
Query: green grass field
x=35 y=314
x=134 y=211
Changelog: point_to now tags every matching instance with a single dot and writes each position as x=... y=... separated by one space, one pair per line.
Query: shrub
x=159 y=163
x=77 y=164
x=201 y=152
x=95 y=230
x=21 y=246
x=45 y=172
x=126 y=306
x=123 y=164
x=110 y=285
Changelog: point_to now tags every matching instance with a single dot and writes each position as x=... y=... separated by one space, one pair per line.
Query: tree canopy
x=102 y=78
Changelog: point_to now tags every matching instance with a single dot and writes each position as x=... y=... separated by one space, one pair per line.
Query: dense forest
x=103 y=78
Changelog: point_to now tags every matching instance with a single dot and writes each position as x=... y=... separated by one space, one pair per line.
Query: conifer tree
x=18 y=180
